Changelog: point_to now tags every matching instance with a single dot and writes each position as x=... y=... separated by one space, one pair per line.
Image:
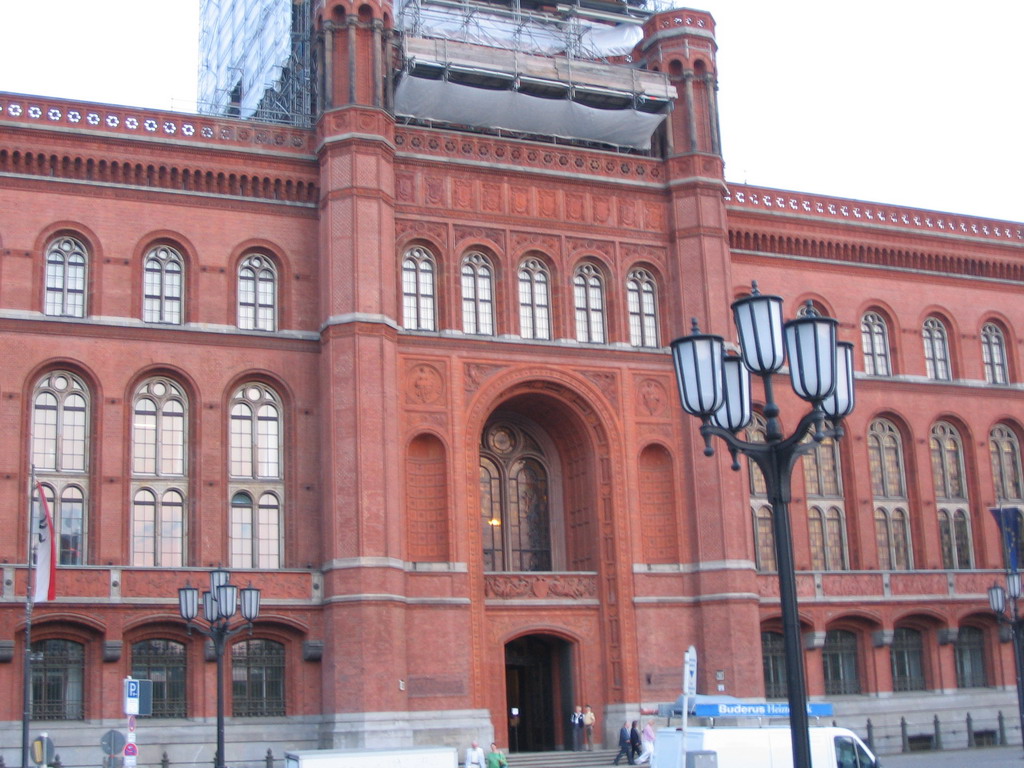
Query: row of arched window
x=842 y=661
x=589 y=287
x=160 y=470
x=163 y=285
x=257 y=673
x=826 y=508
x=875 y=345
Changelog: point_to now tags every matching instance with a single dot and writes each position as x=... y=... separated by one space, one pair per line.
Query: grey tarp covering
x=449 y=102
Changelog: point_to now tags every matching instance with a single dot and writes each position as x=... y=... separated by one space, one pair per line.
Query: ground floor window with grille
x=58 y=672
x=907 y=655
x=163 y=662
x=257 y=674
x=773 y=655
x=970 y=658
x=839 y=659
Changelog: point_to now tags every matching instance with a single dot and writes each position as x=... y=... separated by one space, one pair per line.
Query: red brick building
x=410 y=379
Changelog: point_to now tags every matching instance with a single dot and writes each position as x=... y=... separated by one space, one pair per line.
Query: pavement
x=980 y=757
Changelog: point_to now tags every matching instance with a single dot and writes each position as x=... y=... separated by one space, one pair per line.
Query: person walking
x=647 y=739
x=475 y=756
x=495 y=759
x=634 y=741
x=625 y=746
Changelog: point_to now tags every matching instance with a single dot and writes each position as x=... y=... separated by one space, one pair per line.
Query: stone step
x=598 y=758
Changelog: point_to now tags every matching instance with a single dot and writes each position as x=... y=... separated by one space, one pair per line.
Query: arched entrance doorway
x=538 y=686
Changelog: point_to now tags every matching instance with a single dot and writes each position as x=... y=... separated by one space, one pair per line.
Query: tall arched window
x=257 y=294
x=892 y=530
x=936 y=349
x=970 y=658
x=515 y=515
x=826 y=518
x=477 y=295
x=534 y=300
x=951 y=495
x=419 y=302
x=165 y=663
x=588 y=299
x=163 y=286
x=60 y=457
x=642 y=300
x=1007 y=477
x=839 y=662
x=58 y=680
x=256 y=479
x=993 y=354
x=760 y=509
x=257 y=675
x=875 y=344
x=773 y=660
x=67 y=263
x=159 y=478
x=907 y=657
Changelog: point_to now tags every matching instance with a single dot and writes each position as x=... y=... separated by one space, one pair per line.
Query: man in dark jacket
x=634 y=741
x=625 y=747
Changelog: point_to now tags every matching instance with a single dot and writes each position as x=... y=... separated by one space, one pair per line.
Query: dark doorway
x=538 y=685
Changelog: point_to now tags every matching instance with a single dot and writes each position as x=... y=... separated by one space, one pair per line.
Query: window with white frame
x=419 y=301
x=159 y=476
x=477 y=295
x=163 y=276
x=67 y=263
x=256 y=478
x=588 y=297
x=642 y=300
x=951 y=500
x=760 y=509
x=874 y=336
x=534 y=300
x=936 y=349
x=257 y=294
x=1004 y=451
x=888 y=486
x=60 y=457
x=826 y=518
x=993 y=354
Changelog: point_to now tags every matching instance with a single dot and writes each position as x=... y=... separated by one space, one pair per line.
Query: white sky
x=907 y=102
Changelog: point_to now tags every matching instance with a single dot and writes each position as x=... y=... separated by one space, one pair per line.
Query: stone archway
x=538 y=690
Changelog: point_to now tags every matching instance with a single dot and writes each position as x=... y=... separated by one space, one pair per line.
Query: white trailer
x=769 y=747
x=412 y=757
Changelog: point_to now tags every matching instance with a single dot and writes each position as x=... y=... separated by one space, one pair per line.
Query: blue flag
x=1008 y=519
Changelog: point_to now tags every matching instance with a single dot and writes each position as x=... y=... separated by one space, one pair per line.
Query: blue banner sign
x=759 y=709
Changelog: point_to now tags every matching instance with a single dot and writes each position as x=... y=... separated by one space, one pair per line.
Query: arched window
x=534 y=300
x=951 y=496
x=60 y=456
x=875 y=343
x=158 y=528
x=936 y=349
x=166 y=664
x=839 y=662
x=163 y=286
x=826 y=518
x=514 y=500
x=419 y=307
x=66 y=272
x=760 y=509
x=257 y=294
x=642 y=300
x=257 y=674
x=58 y=680
x=970 y=658
x=256 y=480
x=993 y=354
x=892 y=531
x=1004 y=450
x=477 y=295
x=773 y=659
x=907 y=656
x=588 y=298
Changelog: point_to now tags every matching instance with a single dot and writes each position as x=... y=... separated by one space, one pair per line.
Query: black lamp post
x=219 y=606
x=715 y=388
x=1007 y=611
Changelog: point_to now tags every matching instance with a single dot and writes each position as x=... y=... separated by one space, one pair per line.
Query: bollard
x=56 y=762
x=269 y=758
x=1002 y=729
x=903 y=735
x=165 y=761
x=970 y=731
x=937 y=744
x=871 y=735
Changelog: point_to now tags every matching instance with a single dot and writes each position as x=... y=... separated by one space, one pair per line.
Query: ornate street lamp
x=1005 y=601
x=219 y=606
x=715 y=388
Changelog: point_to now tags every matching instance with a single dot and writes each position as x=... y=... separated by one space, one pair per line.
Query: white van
x=769 y=747
x=411 y=757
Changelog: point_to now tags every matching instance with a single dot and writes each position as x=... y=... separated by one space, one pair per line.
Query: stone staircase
x=599 y=758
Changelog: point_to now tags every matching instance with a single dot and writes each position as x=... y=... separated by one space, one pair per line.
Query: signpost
x=138 y=700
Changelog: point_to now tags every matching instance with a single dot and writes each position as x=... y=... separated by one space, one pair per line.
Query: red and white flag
x=46 y=554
